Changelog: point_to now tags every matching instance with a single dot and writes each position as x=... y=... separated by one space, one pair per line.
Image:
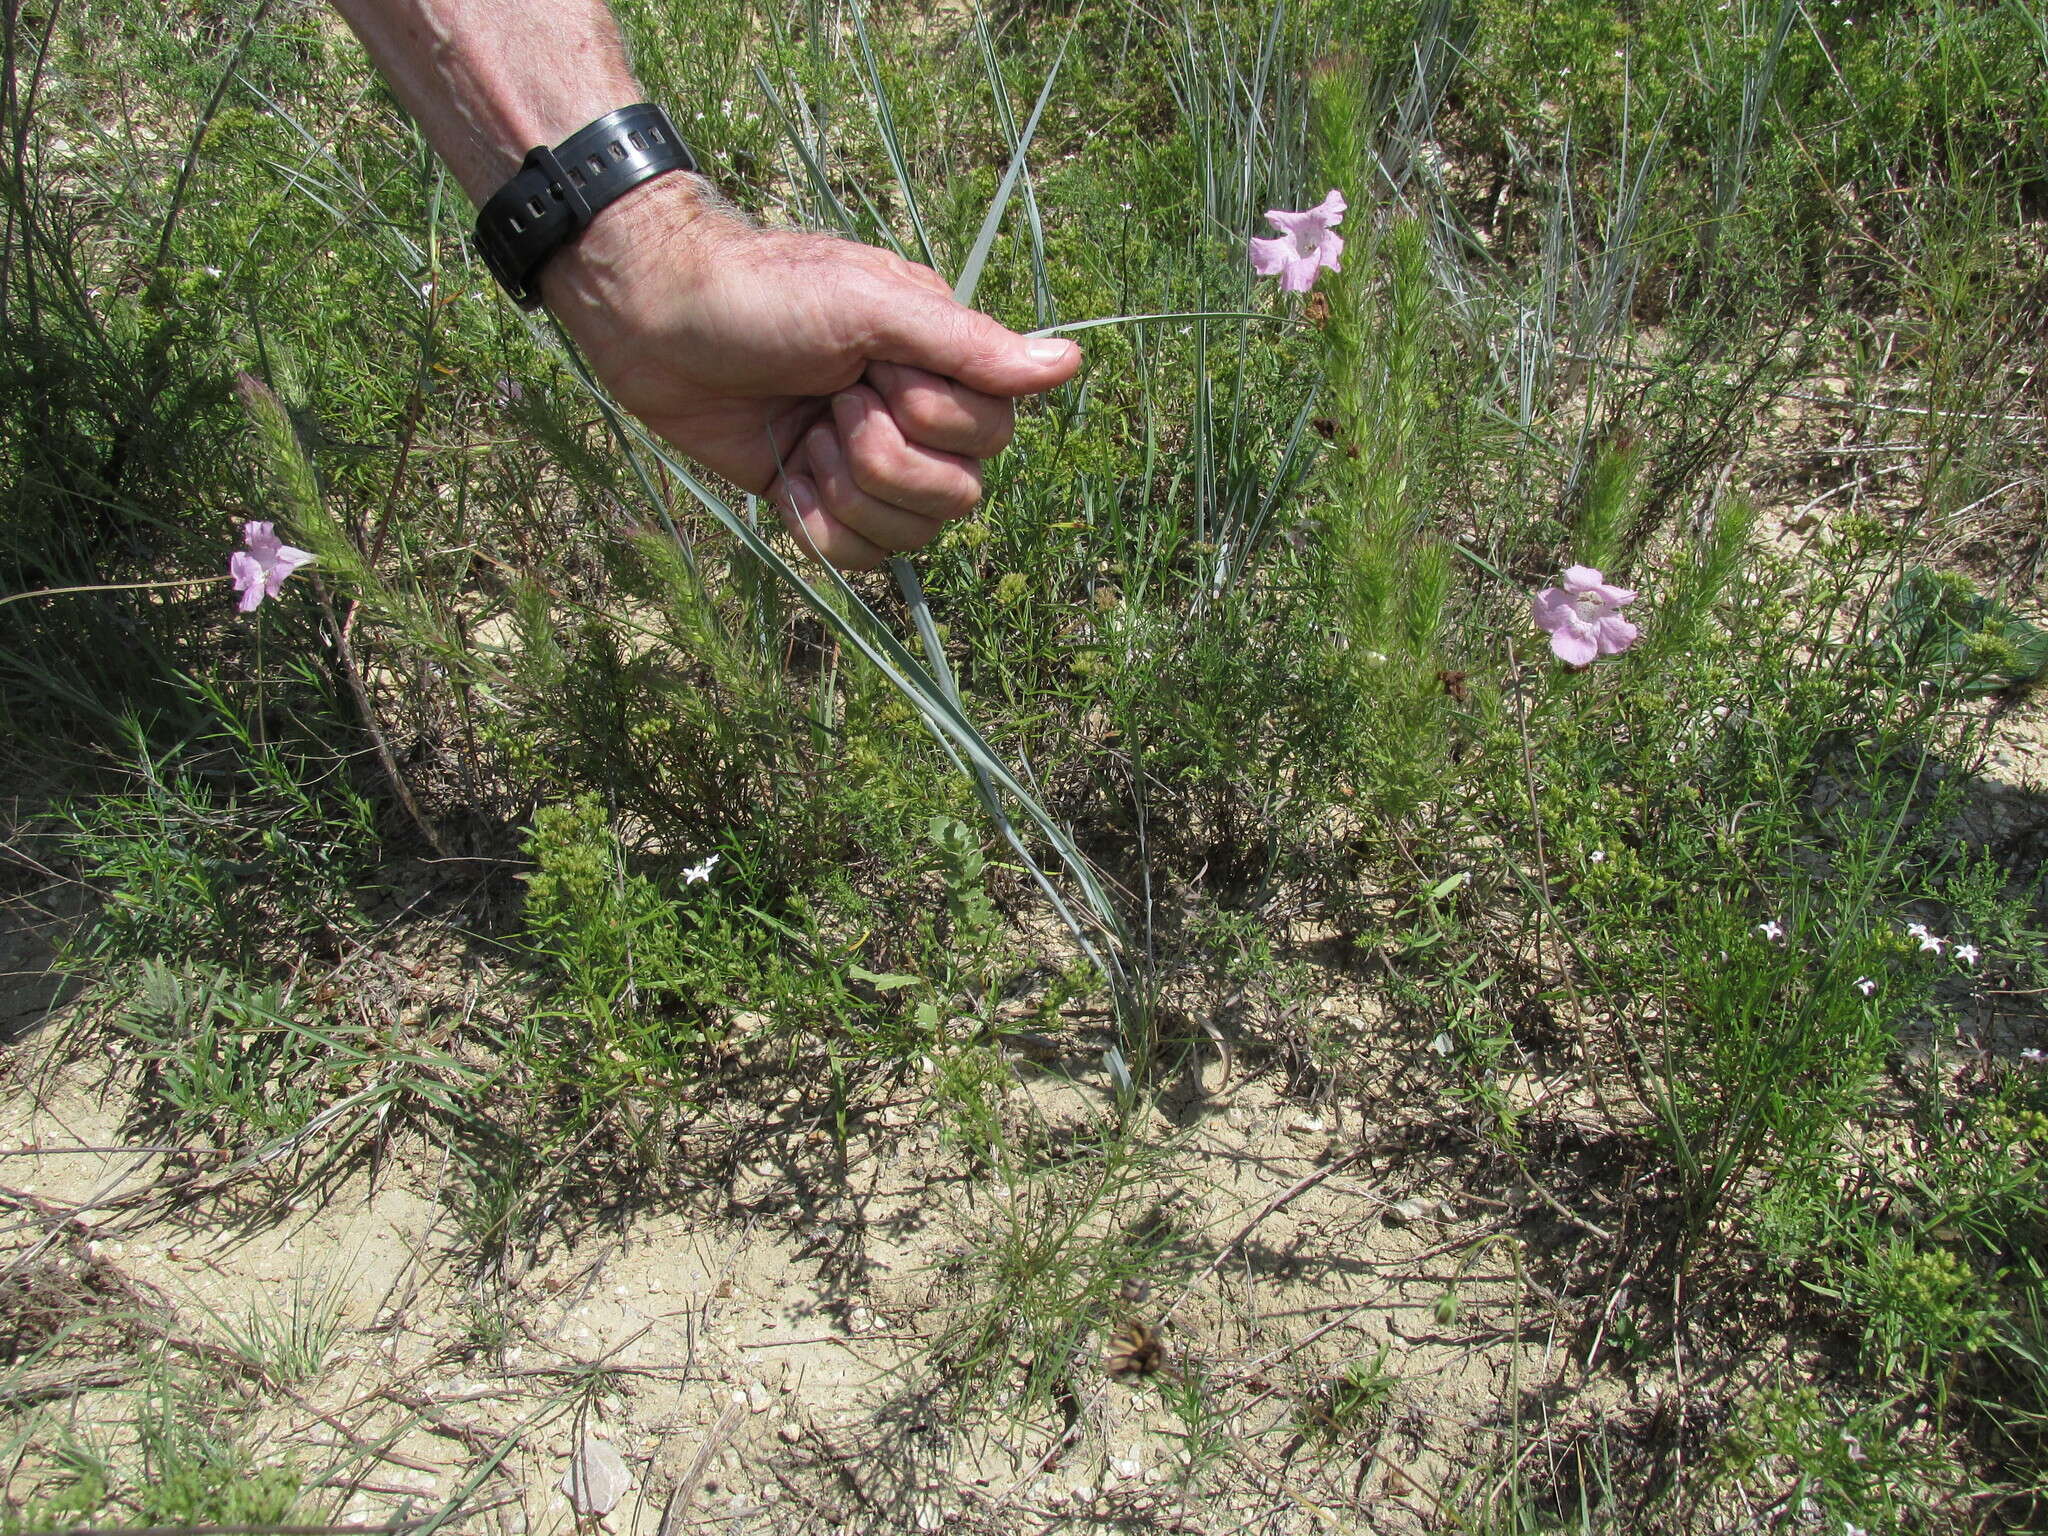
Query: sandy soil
x=764 y=1343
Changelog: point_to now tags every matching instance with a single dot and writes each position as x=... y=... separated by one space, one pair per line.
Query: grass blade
x=885 y=124
x=977 y=258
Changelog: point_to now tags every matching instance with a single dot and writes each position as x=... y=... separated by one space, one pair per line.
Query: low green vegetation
x=1722 y=956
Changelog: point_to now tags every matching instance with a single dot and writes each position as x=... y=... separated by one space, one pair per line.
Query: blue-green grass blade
x=883 y=650
x=885 y=124
x=912 y=591
x=977 y=257
x=1043 y=309
x=1192 y=314
x=821 y=184
x=1283 y=479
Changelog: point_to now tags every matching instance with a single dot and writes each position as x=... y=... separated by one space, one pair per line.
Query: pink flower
x=1306 y=244
x=261 y=565
x=1583 y=617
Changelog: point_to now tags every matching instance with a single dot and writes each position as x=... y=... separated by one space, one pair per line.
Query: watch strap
x=557 y=192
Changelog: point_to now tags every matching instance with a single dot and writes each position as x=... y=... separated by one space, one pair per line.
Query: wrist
x=512 y=126
x=464 y=70
x=560 y=192
x=660 y=225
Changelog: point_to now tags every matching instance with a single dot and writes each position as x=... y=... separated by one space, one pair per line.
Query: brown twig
x=351 y=675
x=367 y=1447
x=234 y=1530
x=1286 y=1196
x=686 y=1490
x=40 y=1386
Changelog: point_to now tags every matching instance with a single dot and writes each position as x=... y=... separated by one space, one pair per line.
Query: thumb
x=932 y=332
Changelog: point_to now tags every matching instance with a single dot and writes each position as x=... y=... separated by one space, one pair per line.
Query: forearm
x=487 y=80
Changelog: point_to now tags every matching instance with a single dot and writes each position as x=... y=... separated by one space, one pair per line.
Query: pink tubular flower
x=1583 y=617
x=1305 y=245
x=261 y=565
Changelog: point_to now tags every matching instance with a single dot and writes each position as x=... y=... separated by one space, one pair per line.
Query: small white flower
x=1916 y=930
x=2035 y=1054
x=1967 y=953
x=702 y=871
x=1865 y=985
x=1932 y=943
x=1773 y=931
x=1597 y=856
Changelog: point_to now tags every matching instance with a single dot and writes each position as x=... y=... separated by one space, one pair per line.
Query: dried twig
x=24 y=1387
x=686 y=1490
x=1294 y=1191
x=345 y=654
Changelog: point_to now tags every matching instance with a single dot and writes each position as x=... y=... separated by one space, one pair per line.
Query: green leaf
x=884 y=981
x=1973 y=644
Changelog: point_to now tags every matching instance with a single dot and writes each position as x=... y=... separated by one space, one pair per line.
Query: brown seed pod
x=1134 y=1350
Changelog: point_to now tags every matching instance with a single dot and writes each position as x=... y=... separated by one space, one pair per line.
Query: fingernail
x=850 y=408
x=803 y=496
x=1048 y=349
x=823 y=446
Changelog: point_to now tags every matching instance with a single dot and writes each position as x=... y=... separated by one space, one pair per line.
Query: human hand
x=839 y=380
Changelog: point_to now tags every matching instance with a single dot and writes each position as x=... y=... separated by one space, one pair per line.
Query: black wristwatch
x=557 y=192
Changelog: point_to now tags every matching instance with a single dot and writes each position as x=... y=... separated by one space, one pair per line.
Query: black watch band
x=557 y=192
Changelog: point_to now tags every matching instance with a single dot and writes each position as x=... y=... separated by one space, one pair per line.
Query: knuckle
x=926 y=414
x=1001 y=430
x=962 y=498
x=880 y=466
x=835 y=487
